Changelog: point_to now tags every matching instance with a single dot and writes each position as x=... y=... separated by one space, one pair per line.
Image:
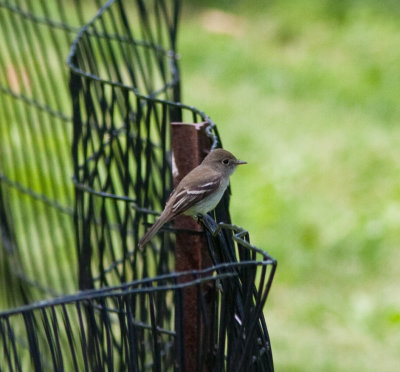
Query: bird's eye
x=225 y=161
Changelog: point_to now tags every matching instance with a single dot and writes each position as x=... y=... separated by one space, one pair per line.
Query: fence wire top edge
x=146 y=286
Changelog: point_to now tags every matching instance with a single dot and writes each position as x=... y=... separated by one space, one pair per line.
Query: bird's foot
x=198 y=217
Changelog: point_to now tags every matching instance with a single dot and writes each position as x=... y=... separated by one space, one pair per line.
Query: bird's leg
x=198 y=217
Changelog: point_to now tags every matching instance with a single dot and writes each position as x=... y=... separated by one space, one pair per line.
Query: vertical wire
x=69 y=328
x=44 y=162
x=20 y=158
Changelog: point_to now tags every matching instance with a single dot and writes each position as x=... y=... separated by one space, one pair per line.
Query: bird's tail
x=153 y=230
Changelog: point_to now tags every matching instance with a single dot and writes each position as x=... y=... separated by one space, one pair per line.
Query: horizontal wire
x=36 y=104
x=35 y=195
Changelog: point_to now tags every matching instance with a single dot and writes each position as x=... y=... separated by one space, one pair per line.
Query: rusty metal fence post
x=190 y=145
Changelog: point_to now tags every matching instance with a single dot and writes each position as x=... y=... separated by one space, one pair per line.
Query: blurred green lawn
x=308 y=92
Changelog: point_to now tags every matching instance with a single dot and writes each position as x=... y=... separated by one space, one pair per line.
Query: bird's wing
x=190 y=195
x=187 y=194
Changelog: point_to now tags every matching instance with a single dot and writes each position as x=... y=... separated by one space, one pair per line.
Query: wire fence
x=37 y=195
x=85 y=163
x=137 y=326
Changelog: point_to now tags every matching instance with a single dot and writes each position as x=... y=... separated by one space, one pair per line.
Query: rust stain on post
x=190 y=145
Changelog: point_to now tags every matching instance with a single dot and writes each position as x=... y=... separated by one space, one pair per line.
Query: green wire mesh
x=35 y=135
x=78 y=188
x=137 y=326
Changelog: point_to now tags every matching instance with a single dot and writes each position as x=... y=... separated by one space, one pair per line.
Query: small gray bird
x=199 y=191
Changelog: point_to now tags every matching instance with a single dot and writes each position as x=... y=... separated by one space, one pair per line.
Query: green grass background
x=308 y=92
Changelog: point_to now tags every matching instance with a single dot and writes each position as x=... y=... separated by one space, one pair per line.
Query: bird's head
x=222 y=160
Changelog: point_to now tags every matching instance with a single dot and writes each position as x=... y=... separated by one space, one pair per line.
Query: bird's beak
x=238 y=162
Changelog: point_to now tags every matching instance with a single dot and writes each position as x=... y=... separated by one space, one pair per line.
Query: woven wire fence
x=137 y=326
x=85 y=165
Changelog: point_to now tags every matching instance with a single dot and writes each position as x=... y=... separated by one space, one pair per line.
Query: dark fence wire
x=122 y=322
x=124 y=89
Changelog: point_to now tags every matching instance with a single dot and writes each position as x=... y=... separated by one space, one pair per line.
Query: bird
x=199 y=191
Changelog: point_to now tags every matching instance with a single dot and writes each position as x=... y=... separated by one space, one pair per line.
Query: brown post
x=190 y=145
